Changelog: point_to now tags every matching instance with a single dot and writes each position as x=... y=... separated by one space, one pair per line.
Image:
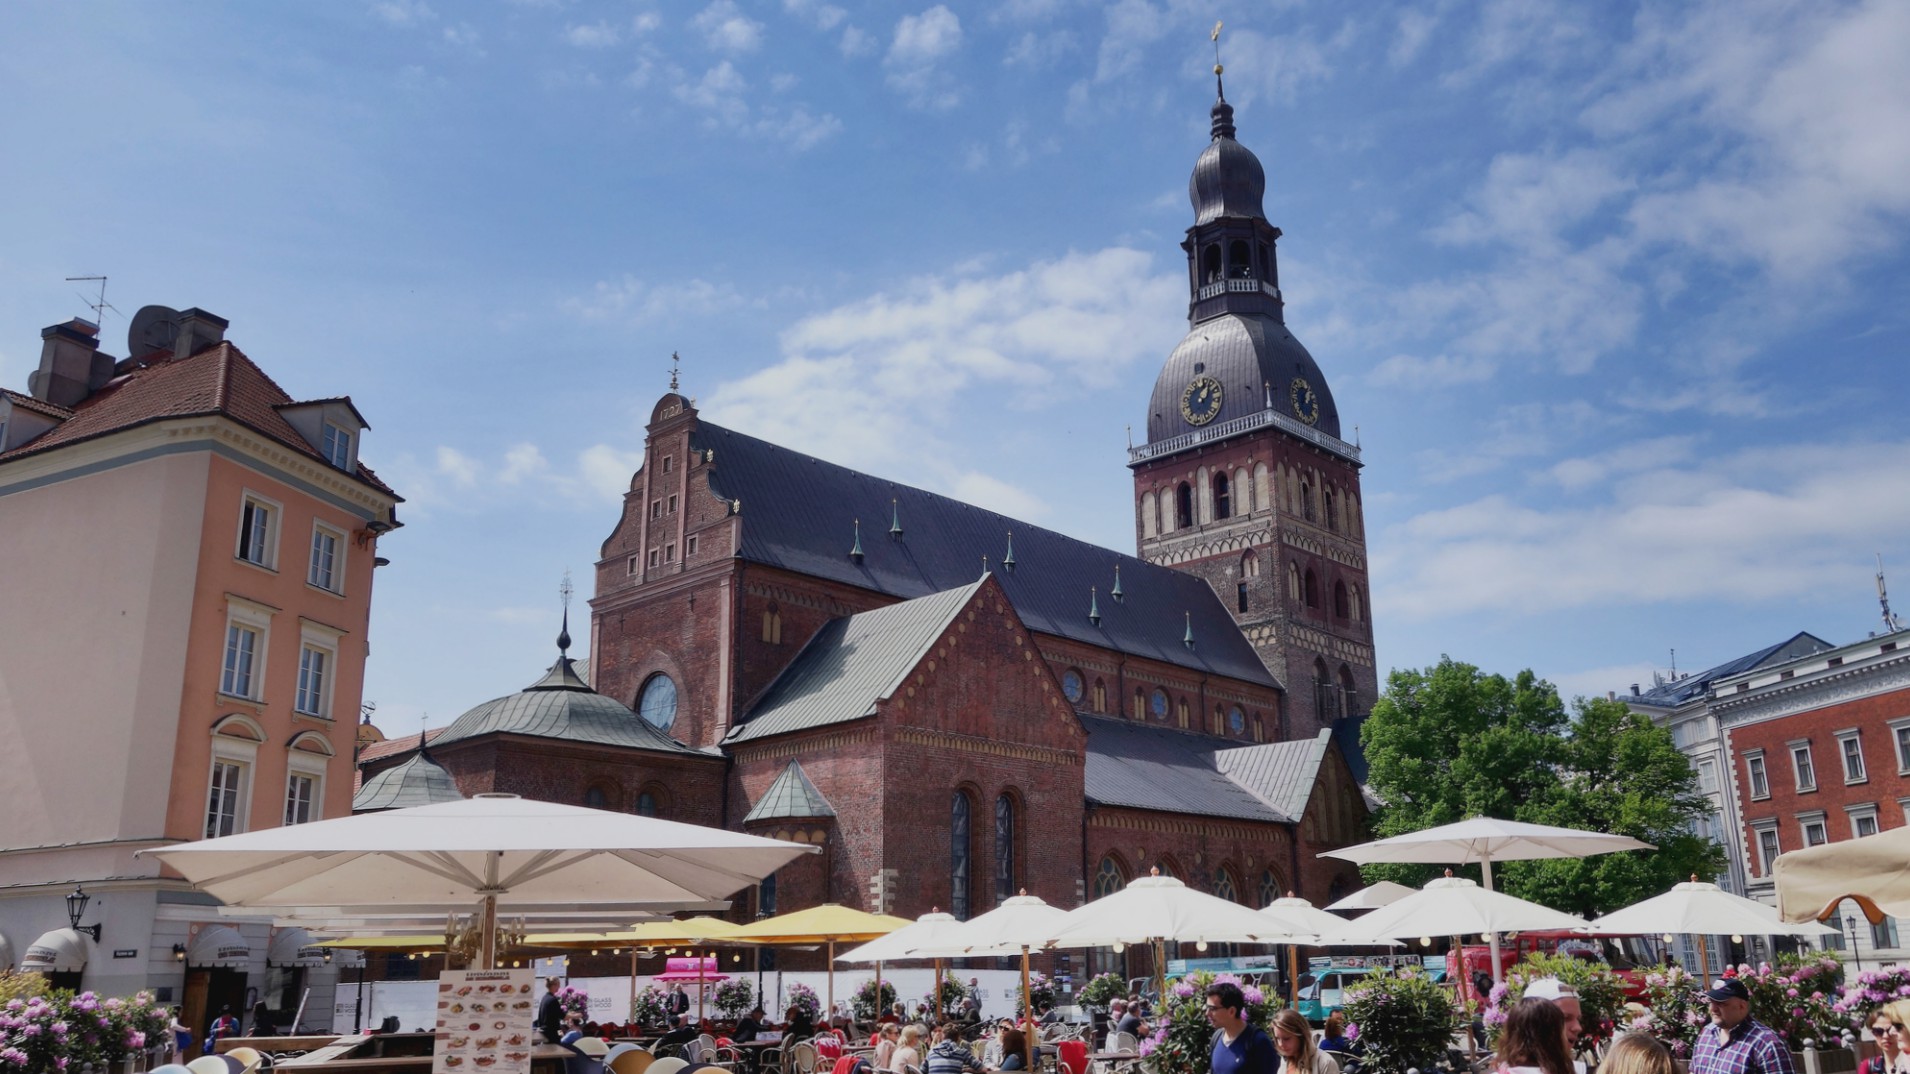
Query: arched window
x=766 y=897
x=1100 y=696
x=1140 y=703
x=656 y=702
x=1353 y=605
x=1182 y=712
x=1259 y=728
x=1220 y=721
x=1157 y=705
x=1072 y=686
x=1324 y=696
x=1341 y=607
x=1240 y=261
x=1243 y=492
x=1347 y=693
x=1293 y=580
x=1109 y=879
x=1223 y=501
x=1150 y=522
x=1183 y=506
x=958 y=843
x=1004 y=848
x=1332 y=515
x=1236 y=720
x=1306 y=500
x=1210 y=263
x=647 y=805
x=1269 y=888
x=773 y=624
x=1249 y=564
x=595 y=798
x=1312 y=589
x=1224 y=886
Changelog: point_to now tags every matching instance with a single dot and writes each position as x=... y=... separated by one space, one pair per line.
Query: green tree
x=1450 y=742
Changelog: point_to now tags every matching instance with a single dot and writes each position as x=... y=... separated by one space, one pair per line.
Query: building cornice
x=1829 y=687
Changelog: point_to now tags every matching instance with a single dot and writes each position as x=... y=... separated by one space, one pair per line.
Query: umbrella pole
x=1160 y=974
x=1704 y=959
x=1027 y=1015
x=1465 y=997
x=1293 y=975
x=632 y=1009
x=487 y=939
x=937 y=992
x=832 y=980
x=877 y=993
x=1492 y=938
x=700 y=988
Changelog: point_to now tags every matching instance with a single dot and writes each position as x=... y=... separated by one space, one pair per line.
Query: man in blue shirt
x=1239 y=1048
x=1735 y=1042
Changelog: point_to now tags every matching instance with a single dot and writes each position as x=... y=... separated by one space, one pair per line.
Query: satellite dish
x=154 y=328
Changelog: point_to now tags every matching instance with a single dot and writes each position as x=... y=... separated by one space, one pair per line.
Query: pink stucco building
x=189 y=556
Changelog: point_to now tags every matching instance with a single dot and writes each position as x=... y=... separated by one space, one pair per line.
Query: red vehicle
x=1631 y=957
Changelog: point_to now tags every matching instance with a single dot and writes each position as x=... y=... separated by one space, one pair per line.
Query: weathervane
x=673 y=364
x=1218 y=69
x=565 y=589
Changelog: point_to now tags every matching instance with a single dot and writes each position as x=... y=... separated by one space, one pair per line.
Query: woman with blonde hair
x=908 y=1052
x=1293 y=1039
x=1637 y=1053
x=886 y=1036
x=1899 y=1015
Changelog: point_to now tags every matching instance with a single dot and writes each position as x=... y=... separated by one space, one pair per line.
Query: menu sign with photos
x=484 y=1022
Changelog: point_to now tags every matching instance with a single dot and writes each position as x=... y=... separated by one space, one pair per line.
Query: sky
x=1611 y=295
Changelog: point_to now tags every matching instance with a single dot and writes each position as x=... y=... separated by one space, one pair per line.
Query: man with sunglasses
x=1239 y=1047
x=1735 y=1042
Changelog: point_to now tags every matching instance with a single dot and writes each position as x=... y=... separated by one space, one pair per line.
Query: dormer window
x=337 y=445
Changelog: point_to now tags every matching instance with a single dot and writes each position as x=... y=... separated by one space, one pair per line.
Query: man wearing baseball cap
x=1735 y=1042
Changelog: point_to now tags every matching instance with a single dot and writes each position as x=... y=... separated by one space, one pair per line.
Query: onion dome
x=1228 y=180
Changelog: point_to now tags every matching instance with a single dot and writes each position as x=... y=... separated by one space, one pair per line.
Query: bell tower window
x=1183 y=506
x=1210 y=263
x=1240 y=261
x=1223 y=502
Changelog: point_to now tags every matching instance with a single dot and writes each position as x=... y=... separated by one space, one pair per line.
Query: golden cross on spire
x=1218 y=69
x=673 y=370
x=565 y=589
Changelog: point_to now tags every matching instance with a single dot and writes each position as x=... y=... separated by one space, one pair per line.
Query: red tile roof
x=392 y=746
x=41 y=406
x=219 y=380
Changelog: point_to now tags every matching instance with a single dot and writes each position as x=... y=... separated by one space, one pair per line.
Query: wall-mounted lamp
x=179 y=952
x=76 y=909
x=328 y=956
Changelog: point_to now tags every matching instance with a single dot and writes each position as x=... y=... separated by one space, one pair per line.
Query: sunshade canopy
x=1456 y=906
x=1327 y=928
x=1487 y=839
x=1162 y=908
x=294 y=947
x=1696 y=908
x=932 y=930
x=1874 y=871
x=1021 y=921
x=59 y=951
x=218 y=945
x=452 y=854
x=1373 y=897
x=828 y=923
x=690 y=930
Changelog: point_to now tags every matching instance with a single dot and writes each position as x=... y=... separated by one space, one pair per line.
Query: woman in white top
x=1533 y=1041
x=886 y=1035
x=1293 y=1039
x=908 y=1053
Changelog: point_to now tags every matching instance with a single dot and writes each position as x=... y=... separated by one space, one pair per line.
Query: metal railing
x=1240 y=425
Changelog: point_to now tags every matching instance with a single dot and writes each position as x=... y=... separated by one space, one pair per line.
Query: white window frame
x=1802 y=747
x=1845 y=740
x=337 y=580
x=269 y=554
x=314 y=637
x=1900 y=736
x=1757 y=774
x=244 y=755
x=300 y=764
x=1859 y=813
x=1707 y=777
x=334 y=440
x=1805 y=821
x=1765 y=855
x=256 y=617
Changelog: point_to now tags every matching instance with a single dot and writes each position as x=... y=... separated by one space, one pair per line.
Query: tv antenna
x=98 y=305
x=1891 y=622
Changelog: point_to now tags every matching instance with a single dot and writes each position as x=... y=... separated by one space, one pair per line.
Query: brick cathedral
x=803 y=650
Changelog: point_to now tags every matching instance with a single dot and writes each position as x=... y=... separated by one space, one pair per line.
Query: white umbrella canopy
x=1373 y=897
x=1700 y=909
x=491 y=851
x=1873 y=870
x=1021 y=922
x=931 y=930
x=1162 y=908
x=1456 y=906
x=1328 y=928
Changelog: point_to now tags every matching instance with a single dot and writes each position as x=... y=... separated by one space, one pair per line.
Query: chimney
x=197 y=331
x=1634 y=689
x=71 y=365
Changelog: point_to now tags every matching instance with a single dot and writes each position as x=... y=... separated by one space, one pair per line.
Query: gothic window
x=1312 y=589
x=1325 y=708
x=1341 y=606
x=1210 y=263
x=647 y=805
x=1269 y=888
x=1181 y=712
x=1293 y=580
x=1249 y=564
x=656 y=702
x=1140 y=703
x=1243 y=492
x=1346 y=688
x=1109 y=879
x=1004 y=848
x=1353 y=604
x=1220 y=721
x=1239 y=261
x=766 y=896
x=1224 y=886
x=773 y=625
x=595 y=798
x=1259 y=728
x=1100 y=696
x=1183 y=506
x=1332 y=515
x=958 y=843
x=1240 y=596
x=1223 y=502
x=1150 y=523
x=1306 y=500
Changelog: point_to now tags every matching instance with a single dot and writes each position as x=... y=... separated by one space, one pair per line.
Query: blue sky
x=1614 y=293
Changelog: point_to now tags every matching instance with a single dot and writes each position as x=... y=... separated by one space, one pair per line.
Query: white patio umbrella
x=1873 y=870
x=933 y=929
x=1328 y=929
x=1486 y=840
x=1155 y=909
x=1372 y=897
x=1019 y=925
x=491 y=851
x=1699 y=909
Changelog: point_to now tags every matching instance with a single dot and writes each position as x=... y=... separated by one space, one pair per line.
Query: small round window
x=657 y=702
x=1159 y=704
x=1237 y=720
x=1071 y=685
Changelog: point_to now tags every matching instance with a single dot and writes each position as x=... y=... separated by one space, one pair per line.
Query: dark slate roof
x=792 y=795
x=561 y=705
x=418 y=781
x=1170 y=771
x=1281 y=774
x=799 y=514
x=1252 y=355
x=850 y=664
x=1672 y=694
x=1228 y=180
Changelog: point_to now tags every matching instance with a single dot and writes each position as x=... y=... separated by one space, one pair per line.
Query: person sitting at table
x=573 y=1029
x=892 y=1016
x=751 y=1025
x=1131 y=1021
x=886 y=1036
x=1014 y=1045
x=1333 y=1038
x=679 y=1035
x=908 y=1050
x=799 y=1026
x=951 y=1056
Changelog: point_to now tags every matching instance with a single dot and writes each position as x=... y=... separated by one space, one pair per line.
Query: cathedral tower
x=1244 y=479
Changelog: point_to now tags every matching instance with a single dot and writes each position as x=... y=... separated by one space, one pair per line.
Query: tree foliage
x=1451 y=742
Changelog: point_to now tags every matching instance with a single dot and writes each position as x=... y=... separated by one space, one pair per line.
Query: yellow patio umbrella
x=691 y=930
x=828 y=924
x=429 y=945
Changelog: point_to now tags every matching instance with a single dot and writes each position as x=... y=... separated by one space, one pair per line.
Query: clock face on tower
x=1306 y=405
x=1200 y=402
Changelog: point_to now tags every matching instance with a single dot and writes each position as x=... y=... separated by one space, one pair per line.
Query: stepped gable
x=799 y=514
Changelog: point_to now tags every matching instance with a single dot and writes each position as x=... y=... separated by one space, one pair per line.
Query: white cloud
x=521 y=461
x=856 y=42
x=915 y=55
x=464 y=37
x=1410 y=36
x=635 y=301
x=1597 y=682
x=594 y=35
x=726 y=29
x=1038 y=50
x=1764 y=525
x=719 y=92
x=1132 y=26
x=822 y=16
x=461 y=469
x=404 y=12
x=645 y=22
x=1580 y=472
x=1411 y=371
x=603 y=471
x=722 y=95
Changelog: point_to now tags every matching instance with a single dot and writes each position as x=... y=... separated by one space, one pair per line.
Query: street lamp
x=76 y=909
x=1850 y=923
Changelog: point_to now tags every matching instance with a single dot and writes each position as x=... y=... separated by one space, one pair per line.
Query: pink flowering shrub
x=1795 y=996
x=1183 y=1042
x=1677 y=1011
x=573 y=1001
x=801 y=995
x=1858 y=1003
x=1040 y=989
x=52 y=1033
x=1406 y=1022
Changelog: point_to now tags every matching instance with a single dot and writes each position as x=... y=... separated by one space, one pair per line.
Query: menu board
x=484 y=1022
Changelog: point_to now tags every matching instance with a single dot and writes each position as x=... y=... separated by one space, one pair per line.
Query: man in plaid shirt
x=1735 y=1042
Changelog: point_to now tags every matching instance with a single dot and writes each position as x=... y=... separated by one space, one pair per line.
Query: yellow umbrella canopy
x=828 y=924
x=690 y=930
x=413 y=944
